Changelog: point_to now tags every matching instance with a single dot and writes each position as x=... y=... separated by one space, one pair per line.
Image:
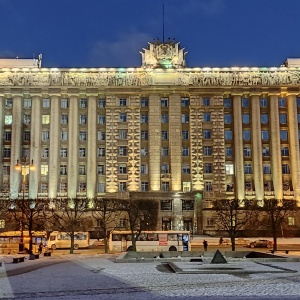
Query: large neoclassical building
x=165 y=131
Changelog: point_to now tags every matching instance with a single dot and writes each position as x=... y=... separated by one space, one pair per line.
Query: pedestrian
x=221 y=241
x=40 y=247
x=205 y=245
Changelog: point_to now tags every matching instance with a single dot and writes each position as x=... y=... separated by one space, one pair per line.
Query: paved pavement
x=98 y=276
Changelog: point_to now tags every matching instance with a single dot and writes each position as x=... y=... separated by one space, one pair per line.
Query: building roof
x=21 y=62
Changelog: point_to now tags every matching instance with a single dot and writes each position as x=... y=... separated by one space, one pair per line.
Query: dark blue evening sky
x=110 y=33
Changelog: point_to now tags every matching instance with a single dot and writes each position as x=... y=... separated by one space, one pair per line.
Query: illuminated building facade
x=182 y=136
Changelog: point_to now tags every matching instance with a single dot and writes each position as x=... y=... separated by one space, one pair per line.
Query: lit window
x=8 y=119
x=186 y=187
x=44 y=169
x=2 y=223
x=229 y=169
x=291 y=221
x=45 y=119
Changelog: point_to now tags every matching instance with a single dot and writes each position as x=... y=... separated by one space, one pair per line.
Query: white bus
x=171 y=240
x=59 y=239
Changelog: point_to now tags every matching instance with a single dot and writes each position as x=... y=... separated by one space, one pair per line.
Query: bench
x=284 y=250
x=18 y=259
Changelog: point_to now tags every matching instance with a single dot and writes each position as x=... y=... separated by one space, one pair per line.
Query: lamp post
x=24 y=167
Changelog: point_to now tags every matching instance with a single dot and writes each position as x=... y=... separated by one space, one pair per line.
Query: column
x=16 y=132
x=35 y=146
x=91 y=177
x=154 y=141
x=73 y=147
x=54 y=146
x=257 y=148
x=275 y=148
x=238 y=148
x=294 y=145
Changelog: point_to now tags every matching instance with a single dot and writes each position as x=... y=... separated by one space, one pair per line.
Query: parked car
x=260 y=244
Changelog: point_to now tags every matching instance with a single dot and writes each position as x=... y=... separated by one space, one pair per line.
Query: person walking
x=205 y=244
x=221 y=241
x=41 y=247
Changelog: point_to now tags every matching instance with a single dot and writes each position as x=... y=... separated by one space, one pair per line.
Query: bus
x=171 y=240
x=59 y=239
x=10 y=240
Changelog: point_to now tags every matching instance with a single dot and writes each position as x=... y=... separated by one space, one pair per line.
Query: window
x=8 y=103
x=186 y=169
x=63 y=152
x=229 y=170
x=246 y=119
x=123 y=151
x=227 y=102
x=144 y=186
x=6 y=152
x=27 y=103
x=247 y=151
x=208 y=186
x=144 y=134
x=165 y=186
x=44 y=169
x=46 y=103
x=248 y=168
x=165 y=151
x=165 y=169
x=228 y=135
x=185 y=102
x=101 y=152
x=210 y=222
x=101 y=119
x=26 y=152
x=207 y=150
x=285 y=169
x=64 y=135
x=101 y=103
x=165 y=118
x=228 y=151
x=144 y=169
x=164 y=135
x=164 y=102
x=122 y=186
x=282 y=102
x=185 y=118
x=27 y=119
x=291 y=221
x=284 y=135
x=206 y=117
x=101 y=136
x=263 y=102
x=45 y=152
x=206 y=134
x=82 y=187
x=185 y=134
x=82 y=152
x=45 y=119
x=144 y=102
x=7 y=136
x=264 y=118
x=122 y=169
x=283 y=118
x=144 y=151
x=284 y=151
x=245 y=102
x=246 y=135
x=298 y=101
x=82 y=136
x=227 y=119
x=82 y=119
x=166 y=205
x=63 y=169
x=265 y=135
x=6 y=170
x=187 y=204
x=208 y=168
x=122 y=102
x=185 y=151
x=266 y=151
x=100 y=170
x=8 y=119
x=83 y=103
x=123 y=117
x=144 y=118
x=298 y=118
x=266 y=168
x=123 y=134
x=64 y=119
x=44 y=187
x=27 y=135
x=64 y=103
x=186 y=187
x=81 y=170
x=45 y=135
x=63 y=187
x=206 y=102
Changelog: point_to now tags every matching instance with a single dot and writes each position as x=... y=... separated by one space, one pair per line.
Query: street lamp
x=24 y=167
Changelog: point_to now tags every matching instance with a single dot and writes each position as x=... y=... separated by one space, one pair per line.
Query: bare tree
x=274 y=215
x=107 y=211
x=69 y=215
x=29 y=215
x=142 y=215
x=232 y=215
